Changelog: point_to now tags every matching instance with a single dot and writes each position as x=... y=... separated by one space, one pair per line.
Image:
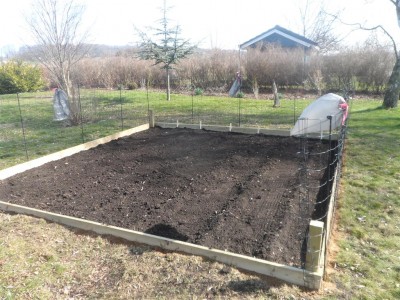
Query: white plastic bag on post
x=61 y=105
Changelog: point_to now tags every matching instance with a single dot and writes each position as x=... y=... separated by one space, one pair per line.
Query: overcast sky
x=216 y=23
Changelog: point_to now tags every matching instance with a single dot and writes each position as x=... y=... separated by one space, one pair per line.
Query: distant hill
x=98 y=50
x=7 y=51
x=95 y=50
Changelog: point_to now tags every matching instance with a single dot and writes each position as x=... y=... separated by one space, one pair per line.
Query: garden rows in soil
x=227 y=191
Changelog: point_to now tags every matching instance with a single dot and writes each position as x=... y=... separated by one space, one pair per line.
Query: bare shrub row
x=364 y=69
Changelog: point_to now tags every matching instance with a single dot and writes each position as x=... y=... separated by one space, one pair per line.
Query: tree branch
x=361 y=27
x=375 y=28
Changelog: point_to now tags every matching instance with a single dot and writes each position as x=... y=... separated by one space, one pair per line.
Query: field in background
x=47 y=261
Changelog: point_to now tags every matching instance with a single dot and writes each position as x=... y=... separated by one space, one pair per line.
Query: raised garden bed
x=221 y=190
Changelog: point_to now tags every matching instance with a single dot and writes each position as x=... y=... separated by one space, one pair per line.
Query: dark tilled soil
x=227 y=191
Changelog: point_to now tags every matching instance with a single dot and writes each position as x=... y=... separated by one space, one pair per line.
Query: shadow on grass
x=372 y=126
x=249 y=286
x=367 y=110
x=261 y=286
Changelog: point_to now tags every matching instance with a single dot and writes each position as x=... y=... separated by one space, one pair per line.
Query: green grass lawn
x=366 y=266
x=27 y=128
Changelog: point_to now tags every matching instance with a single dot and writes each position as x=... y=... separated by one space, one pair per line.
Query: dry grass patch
x=42 y=260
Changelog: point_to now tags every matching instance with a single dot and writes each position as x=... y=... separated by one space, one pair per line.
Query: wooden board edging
x=323 y=259
x=331 y=207
x=329 y=222
x=11 y=171
x=286 y=273
x=246 y=130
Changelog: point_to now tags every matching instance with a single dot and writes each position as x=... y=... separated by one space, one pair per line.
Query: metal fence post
x=80 y=113
x=120 y=100
x=23 y=128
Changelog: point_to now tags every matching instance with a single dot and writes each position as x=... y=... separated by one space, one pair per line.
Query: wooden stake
x=151 y=119
x=314 y=245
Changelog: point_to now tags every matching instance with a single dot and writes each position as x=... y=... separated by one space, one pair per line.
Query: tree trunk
x=255 y=88
x=277 y=102
x=398 y=11
x=66 y=85
x=168 y=87
x=393 y=89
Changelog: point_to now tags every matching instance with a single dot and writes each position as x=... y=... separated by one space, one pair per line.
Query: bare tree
x=318 y=25
x=167 y=49
x=392 y=91
x=54 y=25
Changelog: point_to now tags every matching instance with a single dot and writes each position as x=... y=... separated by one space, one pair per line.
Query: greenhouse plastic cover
x=314 y=118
